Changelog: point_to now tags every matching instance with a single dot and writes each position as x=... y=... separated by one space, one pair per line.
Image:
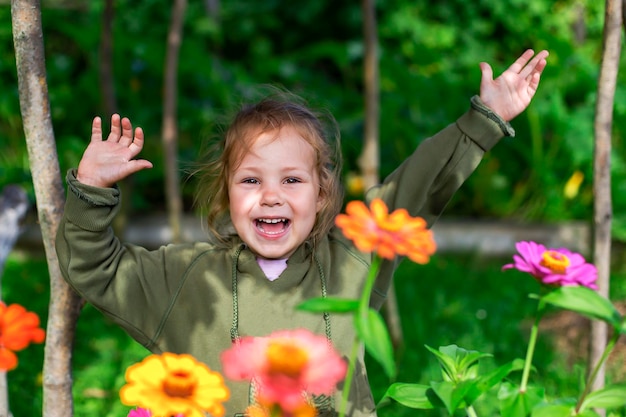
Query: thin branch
x=44 y=164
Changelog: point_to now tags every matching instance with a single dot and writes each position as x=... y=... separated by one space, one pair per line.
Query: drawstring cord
x=234 y=329
x=322 y=402
x=324 y=295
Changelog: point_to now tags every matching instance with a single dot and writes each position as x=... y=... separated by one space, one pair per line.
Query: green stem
x=471 y=412
x=607 y=351
x=531 y=349
x=364 y=303
x=348 y=380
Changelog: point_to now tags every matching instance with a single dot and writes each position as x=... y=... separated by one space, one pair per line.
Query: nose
x=271 y=195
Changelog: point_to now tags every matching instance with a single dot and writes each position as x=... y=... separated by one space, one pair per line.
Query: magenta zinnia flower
x=144 y=412
x=556 y=267
x=139 y=412
x=285 y=365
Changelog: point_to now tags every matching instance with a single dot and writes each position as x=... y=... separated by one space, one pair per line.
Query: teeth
x=272 y=221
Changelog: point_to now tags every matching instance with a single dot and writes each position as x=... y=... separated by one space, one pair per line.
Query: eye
x=249 y=181
x=292 y=180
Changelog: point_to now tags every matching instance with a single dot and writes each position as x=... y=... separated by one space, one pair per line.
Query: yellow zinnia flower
x=171 y=384
x=387 y=234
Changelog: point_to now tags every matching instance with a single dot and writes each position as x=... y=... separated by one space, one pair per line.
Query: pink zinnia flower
x=557 y=267
x=139 y=412
x=144 y=412
x=285 y=365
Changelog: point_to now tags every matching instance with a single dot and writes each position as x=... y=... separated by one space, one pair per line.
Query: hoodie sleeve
x=426 y=181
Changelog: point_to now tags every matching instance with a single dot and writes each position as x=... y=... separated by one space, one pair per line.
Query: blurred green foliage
x=429 y=55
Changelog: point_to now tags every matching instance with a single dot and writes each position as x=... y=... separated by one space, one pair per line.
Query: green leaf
x=489 y=380
x=560 y=407
x=514 y=403
x=452 y=395
x=552 y=410
x=413 y=395
x=587 y=413
x=329 y=304
x=458 y=363
x=584 y=301
x=446 y=357
x=373 y=332
x=611 y=396
x=467 y=363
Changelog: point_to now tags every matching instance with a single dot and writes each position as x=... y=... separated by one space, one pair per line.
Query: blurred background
x=429 y=51
x=429 y=54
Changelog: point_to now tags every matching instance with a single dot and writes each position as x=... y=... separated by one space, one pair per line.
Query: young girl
x=272 y=194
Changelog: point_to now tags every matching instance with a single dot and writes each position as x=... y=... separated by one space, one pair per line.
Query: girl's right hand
x=106 y=162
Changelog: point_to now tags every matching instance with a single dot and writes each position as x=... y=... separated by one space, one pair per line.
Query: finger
x=136 y=165
x=127 y=132
x=96 y=129
x=137 y=145
x=116 y=128
x=139 y=164
x=533 y=83
x=537 y=64
x=537 y=70
x=132 y=167
x=520 y=62
x=487 y=73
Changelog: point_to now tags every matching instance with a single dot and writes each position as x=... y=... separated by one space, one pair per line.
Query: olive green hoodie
x=193 y=298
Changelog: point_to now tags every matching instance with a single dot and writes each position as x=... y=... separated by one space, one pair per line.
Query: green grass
x=464 y=300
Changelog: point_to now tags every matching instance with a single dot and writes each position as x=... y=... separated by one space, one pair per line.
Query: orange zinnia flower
x=389 y=235
x=275 y=410
x=18 y=328
x=171 y=384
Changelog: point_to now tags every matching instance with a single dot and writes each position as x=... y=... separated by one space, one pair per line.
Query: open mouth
x=272 y=226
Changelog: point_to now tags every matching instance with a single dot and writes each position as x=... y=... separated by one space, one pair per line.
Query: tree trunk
x=170 y=125
x=602 y=171
x=107 y=83
x=579 y=26
x=212 y=8
x=109 y=104
x=44 y=166
x=369 y=160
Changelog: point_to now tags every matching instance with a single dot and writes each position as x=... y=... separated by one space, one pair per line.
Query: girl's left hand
x=510 y=93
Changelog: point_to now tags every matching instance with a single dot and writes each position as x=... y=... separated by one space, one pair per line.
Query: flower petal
x=8 y=360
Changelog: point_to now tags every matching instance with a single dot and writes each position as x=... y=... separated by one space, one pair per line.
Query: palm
x=510 y=93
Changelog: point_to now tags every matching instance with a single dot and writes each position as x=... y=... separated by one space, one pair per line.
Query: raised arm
x=106 y=162
x=425 y=182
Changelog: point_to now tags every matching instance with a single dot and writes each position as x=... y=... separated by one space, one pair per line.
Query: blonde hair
x=280 y=109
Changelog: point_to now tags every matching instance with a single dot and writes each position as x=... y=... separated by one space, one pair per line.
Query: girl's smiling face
x=274 y=194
